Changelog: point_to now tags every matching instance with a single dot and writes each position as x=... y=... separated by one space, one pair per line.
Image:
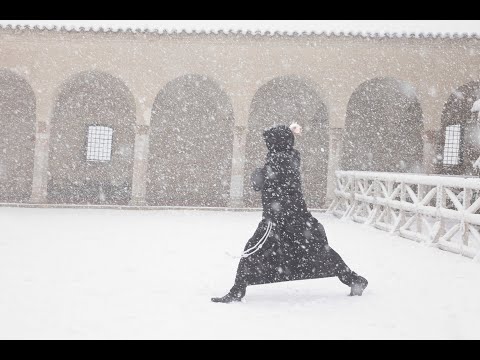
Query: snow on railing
x=441 y=211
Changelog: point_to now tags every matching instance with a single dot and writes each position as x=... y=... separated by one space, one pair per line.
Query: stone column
x=140 y=165
x=336 y=99
x=241 y=99
x=334 y=159
x=238 y=166
x=44 y=108
x=430 y=146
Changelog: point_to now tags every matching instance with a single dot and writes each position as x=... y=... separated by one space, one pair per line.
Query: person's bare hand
x=296 y=128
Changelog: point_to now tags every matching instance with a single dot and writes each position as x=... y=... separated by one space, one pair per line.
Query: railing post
x=467 y=197
x=353 y=186
x=335 y=198
x=440 y=224
x=401 y=215
x=420 y=196
x=376 y=207
x=388 y=215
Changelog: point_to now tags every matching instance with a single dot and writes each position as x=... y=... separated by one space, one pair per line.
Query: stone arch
x=17 y=137
x=383 y=129
x=91 y=98
x=191 y=144
x=460 y=148
x=281 y=101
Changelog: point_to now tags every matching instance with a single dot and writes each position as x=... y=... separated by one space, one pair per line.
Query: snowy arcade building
x=175 y=119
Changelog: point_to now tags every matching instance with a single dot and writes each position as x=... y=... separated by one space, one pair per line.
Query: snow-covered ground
x=111 y=274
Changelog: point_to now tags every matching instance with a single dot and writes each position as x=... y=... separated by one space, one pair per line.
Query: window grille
x=451 y=151
x=99 y=147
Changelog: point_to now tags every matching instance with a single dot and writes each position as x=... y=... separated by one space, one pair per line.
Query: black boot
x=358 y=286
x=234 y=295
x=226 y=299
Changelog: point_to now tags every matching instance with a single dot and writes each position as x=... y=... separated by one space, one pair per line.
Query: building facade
x=175 y=119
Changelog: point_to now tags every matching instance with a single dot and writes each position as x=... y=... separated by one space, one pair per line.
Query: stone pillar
x=334 y=159
x=238 y=166
x=140 y=165
x=44 y=108
x=336 y=99
x=430 y=146
x=241 y=99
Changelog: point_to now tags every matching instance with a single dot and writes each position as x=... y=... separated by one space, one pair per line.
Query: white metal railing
x=440 y=211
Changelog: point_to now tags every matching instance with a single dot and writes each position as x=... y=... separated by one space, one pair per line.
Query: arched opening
x=459 y=145
x=191 y=144
x=17 y=137
x=92 y=141
x=383 y=128
x=280 y=102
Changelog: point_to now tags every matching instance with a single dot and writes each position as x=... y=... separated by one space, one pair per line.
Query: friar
x=289 y=243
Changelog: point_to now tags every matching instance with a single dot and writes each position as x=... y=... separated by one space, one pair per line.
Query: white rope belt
x=259 y=244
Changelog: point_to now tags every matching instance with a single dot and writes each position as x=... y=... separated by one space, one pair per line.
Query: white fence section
x=441 y=211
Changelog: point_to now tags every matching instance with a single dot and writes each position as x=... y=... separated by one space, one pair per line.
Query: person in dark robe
x=289 y=243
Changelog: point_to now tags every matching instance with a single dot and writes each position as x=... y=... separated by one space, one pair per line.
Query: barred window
x=451 y=151
x=99 y=147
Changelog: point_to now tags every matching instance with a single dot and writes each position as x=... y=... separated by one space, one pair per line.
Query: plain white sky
x=363 y=26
